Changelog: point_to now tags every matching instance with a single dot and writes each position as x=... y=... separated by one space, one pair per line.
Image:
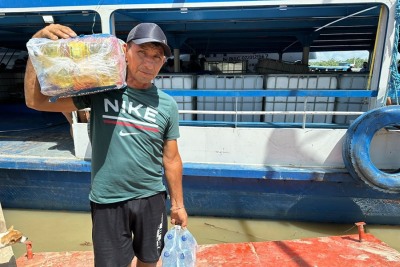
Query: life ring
x=356 y=148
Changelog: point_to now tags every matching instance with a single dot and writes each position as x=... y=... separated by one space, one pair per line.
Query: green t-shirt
x=127 y=131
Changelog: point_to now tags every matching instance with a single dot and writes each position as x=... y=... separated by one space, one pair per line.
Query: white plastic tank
x=354 y=81
x=178 y=81
x=299 y=81
x=229 y=82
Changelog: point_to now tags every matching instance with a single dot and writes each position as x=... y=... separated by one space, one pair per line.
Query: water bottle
x=179 y=248
x=187 y=247
x=168 y=254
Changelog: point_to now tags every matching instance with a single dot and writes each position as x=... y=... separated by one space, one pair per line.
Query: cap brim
x=167 y=50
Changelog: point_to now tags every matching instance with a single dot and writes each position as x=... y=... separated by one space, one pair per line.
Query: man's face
x=144 y=62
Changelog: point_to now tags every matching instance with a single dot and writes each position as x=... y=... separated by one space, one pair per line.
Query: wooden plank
x=7 y=258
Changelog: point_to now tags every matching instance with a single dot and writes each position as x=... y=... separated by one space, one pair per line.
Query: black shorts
x=127 y=229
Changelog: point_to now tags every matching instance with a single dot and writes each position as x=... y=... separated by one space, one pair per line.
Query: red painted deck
x=324 y=251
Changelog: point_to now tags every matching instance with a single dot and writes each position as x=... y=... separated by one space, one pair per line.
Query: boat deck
x=324 y=251
x=21 y=125
x=35 y=140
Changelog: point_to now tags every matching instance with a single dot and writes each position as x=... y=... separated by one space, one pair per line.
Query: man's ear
x=125 y=47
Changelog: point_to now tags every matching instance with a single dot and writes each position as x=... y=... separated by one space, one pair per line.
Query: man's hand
x=179 y=216
x=55 y=32
x=33 y=97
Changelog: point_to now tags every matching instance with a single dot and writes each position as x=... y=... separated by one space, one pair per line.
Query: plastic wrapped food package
x=81 y=65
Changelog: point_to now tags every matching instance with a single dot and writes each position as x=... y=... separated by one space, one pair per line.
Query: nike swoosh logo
x=122 y=133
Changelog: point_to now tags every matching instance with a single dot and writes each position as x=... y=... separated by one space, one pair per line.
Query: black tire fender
x=356 y=148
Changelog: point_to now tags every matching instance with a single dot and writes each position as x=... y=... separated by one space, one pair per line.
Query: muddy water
x=68 y=231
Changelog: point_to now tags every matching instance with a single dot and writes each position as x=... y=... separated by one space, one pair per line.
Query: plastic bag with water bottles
x=179 y=248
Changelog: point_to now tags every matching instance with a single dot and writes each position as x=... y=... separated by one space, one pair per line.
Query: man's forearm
x=33 y=96
x=174 y=181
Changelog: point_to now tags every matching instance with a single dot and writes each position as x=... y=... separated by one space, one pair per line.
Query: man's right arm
x=33 y=97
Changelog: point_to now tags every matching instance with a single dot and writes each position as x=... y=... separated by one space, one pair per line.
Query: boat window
x=226 y=66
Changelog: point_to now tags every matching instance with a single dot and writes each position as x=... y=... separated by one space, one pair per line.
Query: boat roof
x=208 y=27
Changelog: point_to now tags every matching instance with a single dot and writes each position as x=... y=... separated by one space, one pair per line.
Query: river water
x=71 y=231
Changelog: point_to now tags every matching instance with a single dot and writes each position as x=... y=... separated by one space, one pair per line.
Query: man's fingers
x=56 y=31
x=59 y=31
x=65 y=32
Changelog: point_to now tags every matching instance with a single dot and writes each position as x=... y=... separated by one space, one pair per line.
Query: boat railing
x=237 y=109
x=268 y=100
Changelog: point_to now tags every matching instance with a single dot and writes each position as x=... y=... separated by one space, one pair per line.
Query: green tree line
x=333 y=62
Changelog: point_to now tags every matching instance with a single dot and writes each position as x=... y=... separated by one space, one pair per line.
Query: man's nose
x=149 y=60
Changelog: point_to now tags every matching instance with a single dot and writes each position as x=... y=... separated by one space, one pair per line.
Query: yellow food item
x=78 y=50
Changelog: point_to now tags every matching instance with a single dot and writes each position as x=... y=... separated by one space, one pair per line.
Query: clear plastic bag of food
x=81 y=65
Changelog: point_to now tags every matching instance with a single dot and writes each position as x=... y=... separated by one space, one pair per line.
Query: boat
x=262 y=136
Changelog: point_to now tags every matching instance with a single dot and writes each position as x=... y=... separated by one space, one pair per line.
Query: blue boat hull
x=331 y=200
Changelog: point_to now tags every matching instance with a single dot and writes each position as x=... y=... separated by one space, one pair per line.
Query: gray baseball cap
x=149 y=33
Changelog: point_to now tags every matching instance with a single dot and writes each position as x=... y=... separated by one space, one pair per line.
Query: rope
x=394 y=84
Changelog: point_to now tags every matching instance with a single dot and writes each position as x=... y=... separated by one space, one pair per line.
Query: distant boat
x=340 y=67
x=277 y=143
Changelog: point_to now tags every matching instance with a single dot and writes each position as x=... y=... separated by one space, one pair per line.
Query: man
x=364 y=67
x=133 y=135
